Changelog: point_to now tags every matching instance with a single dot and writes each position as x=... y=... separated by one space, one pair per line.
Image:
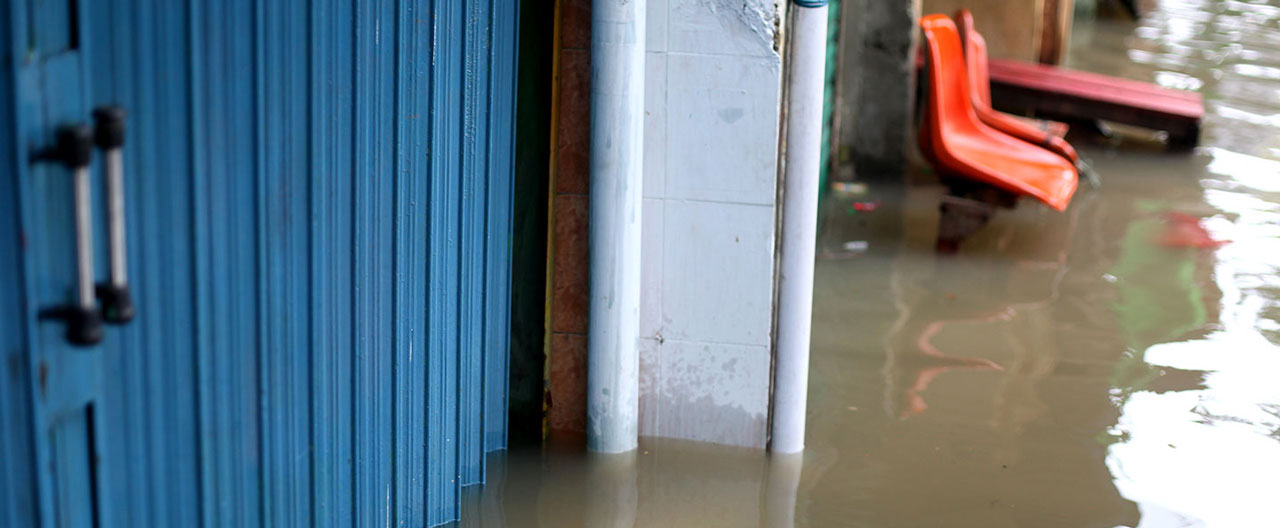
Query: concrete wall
x=1011 y=27
x=875 y=88
x=711 y=148
x=1030 y=30
x=711 y=151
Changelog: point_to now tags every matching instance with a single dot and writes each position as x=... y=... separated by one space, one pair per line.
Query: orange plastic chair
x=1046 y=134
x=961 y=143
x=975 y=56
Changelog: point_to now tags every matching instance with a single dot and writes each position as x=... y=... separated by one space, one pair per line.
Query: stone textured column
x=876 y=87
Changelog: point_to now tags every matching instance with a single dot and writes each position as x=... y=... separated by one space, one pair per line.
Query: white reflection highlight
x=1259 y=173
x=1211 y=457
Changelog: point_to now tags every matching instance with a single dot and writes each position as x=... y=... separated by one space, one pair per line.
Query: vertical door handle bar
x=108 y=135
x=73 y=148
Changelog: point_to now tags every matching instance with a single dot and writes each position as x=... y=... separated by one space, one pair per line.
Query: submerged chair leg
x=960 y=218
x=966 y=208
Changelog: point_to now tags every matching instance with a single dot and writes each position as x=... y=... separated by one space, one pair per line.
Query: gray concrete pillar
x=875 y=88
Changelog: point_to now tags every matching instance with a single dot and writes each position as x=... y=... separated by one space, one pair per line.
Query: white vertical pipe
x=617 y=153
x=807 y=55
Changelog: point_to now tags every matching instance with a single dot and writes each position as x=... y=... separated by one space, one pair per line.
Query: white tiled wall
x=716 y=272
x=711 y=149
x=722 y=128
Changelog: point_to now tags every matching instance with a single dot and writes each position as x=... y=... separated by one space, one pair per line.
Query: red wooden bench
x=1021 y=87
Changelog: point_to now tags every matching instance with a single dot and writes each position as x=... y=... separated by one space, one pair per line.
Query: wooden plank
x=1020 y=87
x=1098 y=87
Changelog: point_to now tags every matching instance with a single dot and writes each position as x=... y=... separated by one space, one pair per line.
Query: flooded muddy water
x=1114 y=365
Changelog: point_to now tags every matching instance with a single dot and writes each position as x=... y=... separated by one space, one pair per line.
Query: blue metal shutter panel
x=147 y=409
x=319 y=201
x=411 y=294
x=444 y=383
x=63 y=380
x=501 y=113
x=474 y=197
x=224 y=204
x=17 y=467
x=332 y=136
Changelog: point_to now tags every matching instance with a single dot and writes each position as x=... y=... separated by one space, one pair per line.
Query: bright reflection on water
x=1211 y=456
x=1114 y=365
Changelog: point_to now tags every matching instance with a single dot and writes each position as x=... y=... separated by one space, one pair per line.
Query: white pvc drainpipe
x=617 y=153
x=807 y=55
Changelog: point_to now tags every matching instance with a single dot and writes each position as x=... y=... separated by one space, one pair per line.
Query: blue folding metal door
x=318 y=204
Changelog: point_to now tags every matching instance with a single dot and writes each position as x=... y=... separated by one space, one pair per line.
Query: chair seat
x=1011 y=164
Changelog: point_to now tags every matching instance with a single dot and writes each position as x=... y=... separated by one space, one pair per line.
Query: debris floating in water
x=849 y=188
x=1184 y=230
x=862 y=207
x=848 y=250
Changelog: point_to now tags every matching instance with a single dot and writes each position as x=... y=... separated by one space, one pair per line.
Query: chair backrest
x=975 y=58
x=950 y=106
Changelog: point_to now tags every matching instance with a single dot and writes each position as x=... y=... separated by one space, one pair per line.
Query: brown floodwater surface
x=1114 y=365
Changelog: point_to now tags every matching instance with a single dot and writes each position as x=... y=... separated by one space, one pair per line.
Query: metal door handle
x=108 y=135
x=73 y=148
